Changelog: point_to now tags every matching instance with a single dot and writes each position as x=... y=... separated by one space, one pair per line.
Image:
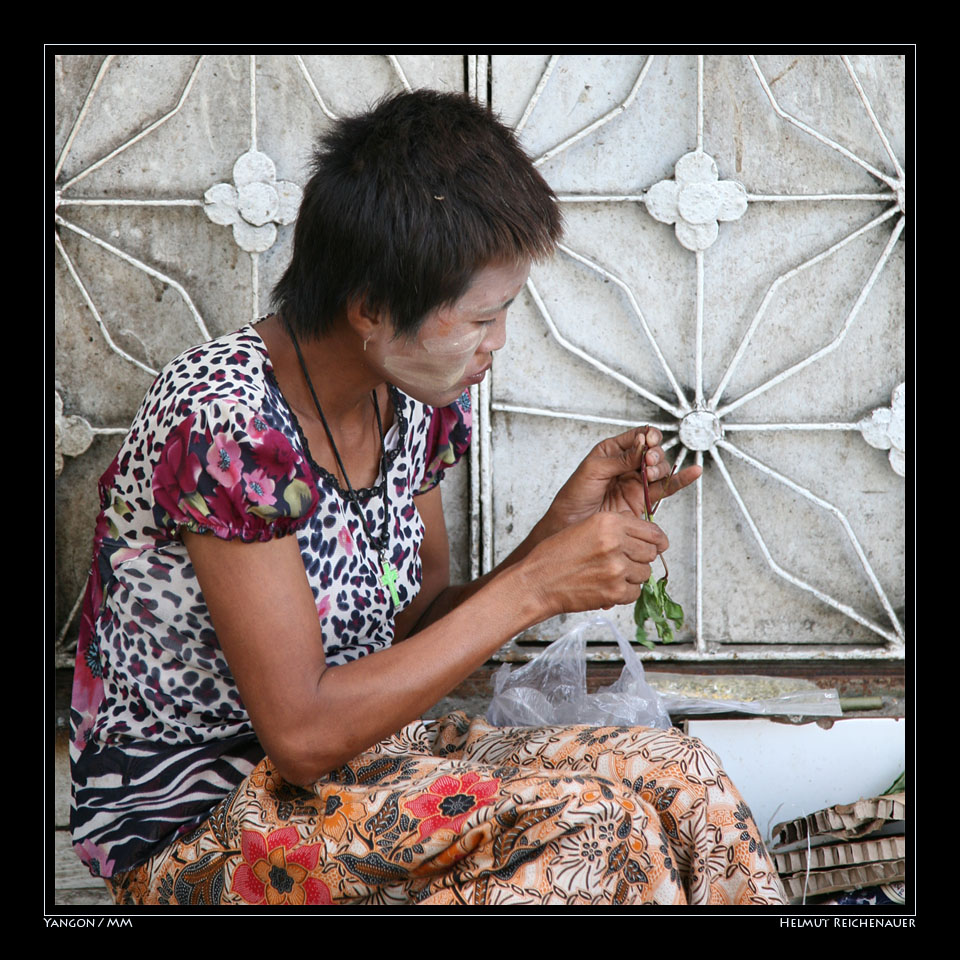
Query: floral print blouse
x=159 y=734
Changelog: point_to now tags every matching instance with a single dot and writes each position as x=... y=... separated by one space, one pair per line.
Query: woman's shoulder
x=212 y=381
x=216 y=385
x=231 y=368
x=212 y=448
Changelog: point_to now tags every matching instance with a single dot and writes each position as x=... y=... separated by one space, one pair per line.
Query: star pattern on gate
x=697 y=201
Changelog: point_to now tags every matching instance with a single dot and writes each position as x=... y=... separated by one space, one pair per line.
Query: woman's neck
x=343 y=383
x=334 y=364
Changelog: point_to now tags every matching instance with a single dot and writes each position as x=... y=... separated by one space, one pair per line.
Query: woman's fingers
x=642 y=537
x=644 y=531
x=639 y=544
x=629 y=440
x=674 y=483
x=625 y=448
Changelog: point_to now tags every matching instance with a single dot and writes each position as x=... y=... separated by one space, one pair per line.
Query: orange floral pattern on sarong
x=458 y=812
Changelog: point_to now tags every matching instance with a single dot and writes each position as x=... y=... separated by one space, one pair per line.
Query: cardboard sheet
x=849 y=878
x=852 y=846
x=843 y=822
x=838 y=855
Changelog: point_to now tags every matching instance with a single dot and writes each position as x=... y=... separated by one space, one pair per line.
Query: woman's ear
x=369 y=324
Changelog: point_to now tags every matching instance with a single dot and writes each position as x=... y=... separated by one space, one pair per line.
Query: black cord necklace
x=388 y=575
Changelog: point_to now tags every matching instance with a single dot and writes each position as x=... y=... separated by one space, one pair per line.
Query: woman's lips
x=478 y=376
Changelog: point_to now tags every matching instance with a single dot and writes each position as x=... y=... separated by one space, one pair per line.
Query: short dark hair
x=405 y=203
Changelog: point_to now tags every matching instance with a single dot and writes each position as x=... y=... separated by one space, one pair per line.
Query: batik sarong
x=458 y=812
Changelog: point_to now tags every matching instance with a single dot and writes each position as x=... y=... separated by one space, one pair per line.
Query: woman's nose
x=496 y=335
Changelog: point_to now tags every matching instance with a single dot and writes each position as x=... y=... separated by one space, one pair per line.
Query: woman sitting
x=245 y=715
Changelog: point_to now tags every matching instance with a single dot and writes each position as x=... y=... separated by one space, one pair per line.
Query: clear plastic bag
x=551 y=690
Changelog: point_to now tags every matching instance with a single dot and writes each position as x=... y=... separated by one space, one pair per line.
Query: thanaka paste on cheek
x=444 y=352
x=435 y=363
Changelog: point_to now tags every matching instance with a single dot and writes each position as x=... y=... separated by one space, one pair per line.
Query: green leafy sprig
x=654 y=602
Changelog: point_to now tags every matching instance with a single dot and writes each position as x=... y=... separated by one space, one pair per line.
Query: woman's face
x=453 y=348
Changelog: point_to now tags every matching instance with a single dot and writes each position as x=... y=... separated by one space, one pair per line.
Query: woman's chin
x=434 y=396
x=433 y=387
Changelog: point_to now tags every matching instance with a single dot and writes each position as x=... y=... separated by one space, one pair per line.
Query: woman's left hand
x=609 y=478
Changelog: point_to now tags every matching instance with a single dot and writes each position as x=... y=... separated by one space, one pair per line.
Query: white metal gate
x=765 y=198
x=732 y=271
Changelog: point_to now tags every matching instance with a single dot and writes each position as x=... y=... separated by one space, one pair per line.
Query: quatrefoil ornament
x=695 y=200
x=886 y=429
x=71 y=435
x=254 y=202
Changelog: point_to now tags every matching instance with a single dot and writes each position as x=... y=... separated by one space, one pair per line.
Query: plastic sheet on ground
x=695 y=694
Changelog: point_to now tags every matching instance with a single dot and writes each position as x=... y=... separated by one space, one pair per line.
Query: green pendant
x=388 y=579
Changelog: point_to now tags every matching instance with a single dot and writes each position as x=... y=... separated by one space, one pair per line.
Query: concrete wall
x=799 y=548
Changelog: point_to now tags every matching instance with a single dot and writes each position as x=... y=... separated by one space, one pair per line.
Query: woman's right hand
x=596 y=563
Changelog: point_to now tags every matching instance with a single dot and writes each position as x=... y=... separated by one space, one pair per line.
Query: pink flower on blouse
x=223 y=461
x=346 y=541
x=260 y=487
x=323 y=607
x=257 y=428
x=228 y=514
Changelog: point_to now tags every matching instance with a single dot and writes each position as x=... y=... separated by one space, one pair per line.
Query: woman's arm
x=608 y=479
x=311 y=718
x=437 y=597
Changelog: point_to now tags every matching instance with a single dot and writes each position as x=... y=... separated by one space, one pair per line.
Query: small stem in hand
x=657 y=504
x=654 y=603
x=647 y=506
x=652 y=510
